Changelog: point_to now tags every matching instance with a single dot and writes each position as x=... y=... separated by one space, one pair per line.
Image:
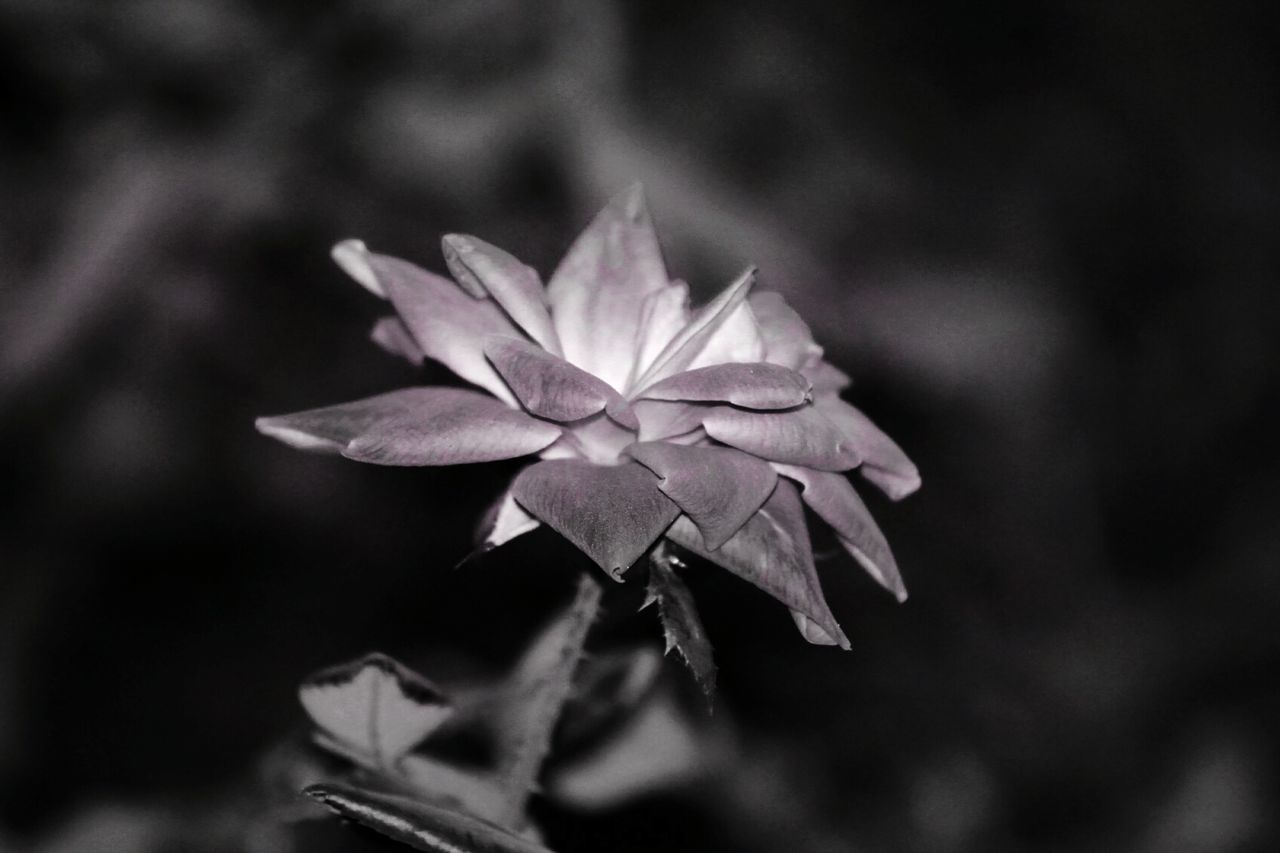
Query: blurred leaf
x=373 y=710
x=680 y=622
x=420 y=825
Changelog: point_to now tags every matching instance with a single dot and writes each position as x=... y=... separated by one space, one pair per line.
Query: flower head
x=710 y=427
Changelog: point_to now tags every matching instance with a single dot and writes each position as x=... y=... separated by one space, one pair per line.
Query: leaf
x=681 y=625
x=420 y=825
x=373 y=710
x=657 y=749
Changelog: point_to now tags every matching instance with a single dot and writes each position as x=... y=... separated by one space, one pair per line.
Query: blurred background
x=1041 y=237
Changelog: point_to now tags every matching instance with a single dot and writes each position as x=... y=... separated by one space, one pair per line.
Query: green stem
x=545 y=680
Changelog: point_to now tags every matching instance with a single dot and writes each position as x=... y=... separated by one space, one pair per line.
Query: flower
x=711 y=428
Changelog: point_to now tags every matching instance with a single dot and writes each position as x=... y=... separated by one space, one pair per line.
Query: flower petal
x=883 y=461
x=718 y=488
x=612 y=513
x=664 y=314
x=598 y=292
x=393 y=335
x=667 y=419
x=353 y=257
x=504 y=521
x=485 y=270
x=695 y=337
x=833 y=498
x=826 y=378
x=771 y=551
x=446 y=323
x=416 y=426
x=753 y=386
x=798 y=437
x=787 y=339
x=737 y=339
x=550 y=387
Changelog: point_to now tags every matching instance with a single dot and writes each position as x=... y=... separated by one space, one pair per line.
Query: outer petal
x=613 y=513
x=447 y=324
x=550 y=387
x=884 y=463
x=695 y=337
x=393 y=335
x=504 y=521
x=485 y=270
x=718 y=488
x=754 y=386
x=415 y=426
x=796 y=437
x=826 y=378
x=787 y=338
x=772 y=551
x=598 y=292
x=833 y=498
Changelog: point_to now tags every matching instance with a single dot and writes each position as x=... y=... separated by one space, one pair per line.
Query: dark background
x=1041 y=237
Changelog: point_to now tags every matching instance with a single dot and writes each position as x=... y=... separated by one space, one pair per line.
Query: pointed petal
x=737 y=339
x=393 y=335
x=504 y=521
x=690 y=342
x=353 y=257
x=833 y=498
x=771 y=551
x=612 y=513
x=550 y=387
x=787 y=338
x=812 y=631
x=597 y=294
x=753 y=386
x=418 y=824
x=884 y=463
x=666 y=419
x=447 y=324
x=826 y=378
x=798 y=437
x=415 y=426
x=717 y=487
x=664 y=314
x=374 y=709
x=485 y=270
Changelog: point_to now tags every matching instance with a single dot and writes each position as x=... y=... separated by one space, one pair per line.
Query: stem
x=543 y=683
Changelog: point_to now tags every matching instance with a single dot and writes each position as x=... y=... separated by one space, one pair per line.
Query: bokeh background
x=1041 y=237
